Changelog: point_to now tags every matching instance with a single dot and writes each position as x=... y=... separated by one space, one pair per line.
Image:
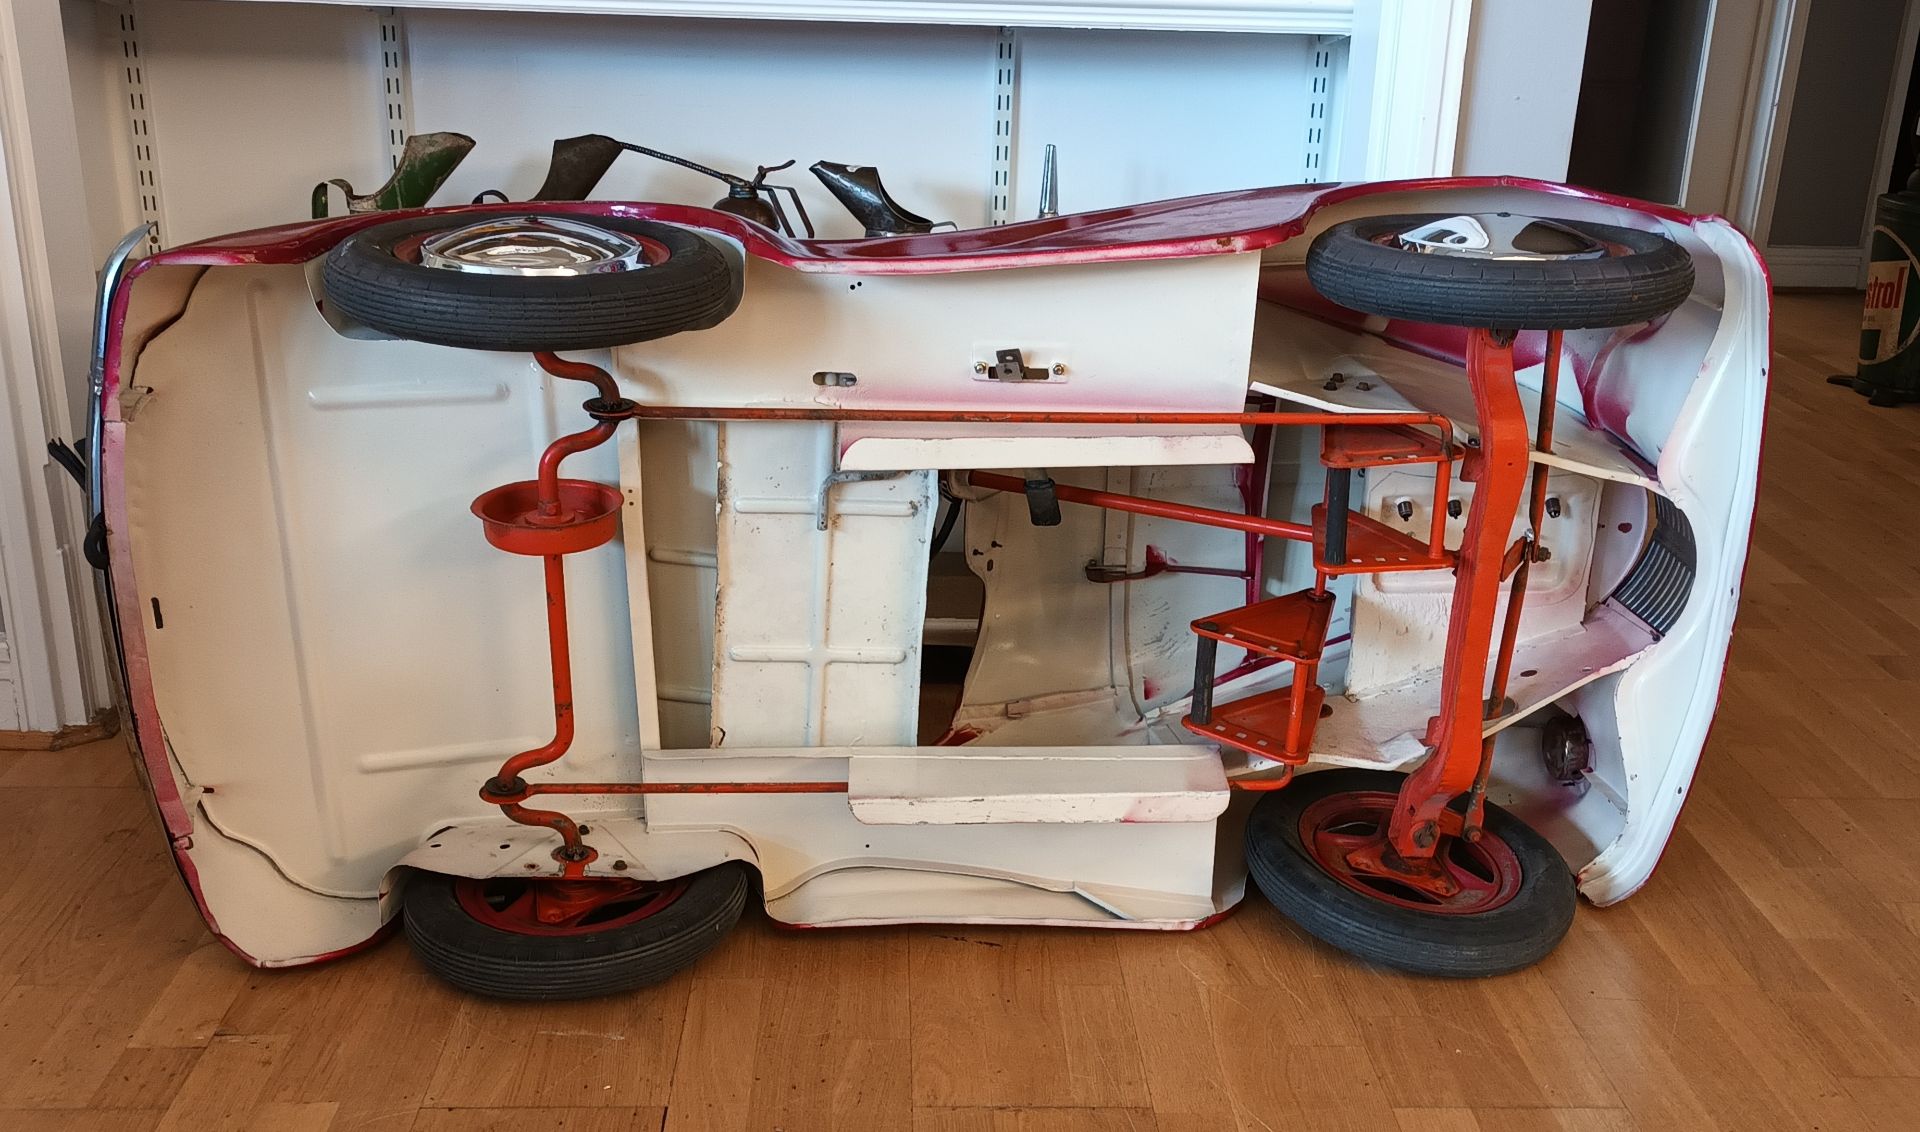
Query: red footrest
x=1258 y=724
x=1373 y=547
x=1293 y=627
x=1379 y=446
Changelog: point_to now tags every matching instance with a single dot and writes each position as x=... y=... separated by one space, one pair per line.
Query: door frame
x=1772 y=82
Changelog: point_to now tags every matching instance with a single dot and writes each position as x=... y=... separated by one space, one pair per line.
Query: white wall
x=1524 y=59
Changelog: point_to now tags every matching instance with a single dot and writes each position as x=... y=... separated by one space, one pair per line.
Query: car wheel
x=545 y=939
x=1516 y=898
x=1500 y=271
x=529 y=281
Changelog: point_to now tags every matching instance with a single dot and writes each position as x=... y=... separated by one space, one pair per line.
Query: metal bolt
x=1059 y=368
x=1425 y=834
x=980 y=367
x=1404 y=509
x=1553 y=507
x=1541 y=554
x=619 y=866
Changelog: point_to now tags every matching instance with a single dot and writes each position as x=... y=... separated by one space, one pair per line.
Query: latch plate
x=1008 y=364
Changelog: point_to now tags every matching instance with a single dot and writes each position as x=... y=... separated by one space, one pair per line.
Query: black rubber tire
x=696 y=287
x=1514 y=935
x=484 y=959
x=1348 y=265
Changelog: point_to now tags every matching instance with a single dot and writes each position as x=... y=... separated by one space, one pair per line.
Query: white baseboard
x=1816 y=267
x=10 y=713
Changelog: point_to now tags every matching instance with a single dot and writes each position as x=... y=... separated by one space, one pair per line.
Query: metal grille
x=1657 y=587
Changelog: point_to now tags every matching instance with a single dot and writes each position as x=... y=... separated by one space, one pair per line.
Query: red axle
x=1112 y=501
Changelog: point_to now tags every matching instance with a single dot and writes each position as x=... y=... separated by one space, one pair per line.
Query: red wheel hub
x=545 y=906
x=1346 y=835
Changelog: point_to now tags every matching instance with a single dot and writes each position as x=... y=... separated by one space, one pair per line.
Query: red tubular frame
x=1113 y=501
x=1517 y=591
x=507 y=789
x=995 y=416
x=1458 y=762
x=533 y=788
x=549 y=477
x=600 y=379
x=1421 y=817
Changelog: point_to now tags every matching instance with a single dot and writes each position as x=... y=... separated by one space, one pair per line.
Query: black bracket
x=1009 y=365
x=1043 y=506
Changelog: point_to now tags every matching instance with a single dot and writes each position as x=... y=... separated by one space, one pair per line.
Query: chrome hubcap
x=533 y=245
x=1500 y=235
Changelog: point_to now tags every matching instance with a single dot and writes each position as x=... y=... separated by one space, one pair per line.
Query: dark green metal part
x=425 y=165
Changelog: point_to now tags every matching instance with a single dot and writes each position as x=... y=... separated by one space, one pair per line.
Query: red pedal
x=1374 y=548
x=1293 y=627
x=1266 y=724
x=1379 y=446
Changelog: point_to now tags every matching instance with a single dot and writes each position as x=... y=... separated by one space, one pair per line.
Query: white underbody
x=343 y=659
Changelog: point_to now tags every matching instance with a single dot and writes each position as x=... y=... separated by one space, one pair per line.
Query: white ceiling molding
x=1295 y=17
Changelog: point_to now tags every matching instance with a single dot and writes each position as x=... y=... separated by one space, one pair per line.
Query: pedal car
x=1383 y=540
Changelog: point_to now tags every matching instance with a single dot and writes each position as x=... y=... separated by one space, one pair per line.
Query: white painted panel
x=911 y=340
x=887 y=445
x=1051 y=785
x=679 y=467
x=1400 y=620
x=817 y=634
x=1158 y=636
x=341 y=657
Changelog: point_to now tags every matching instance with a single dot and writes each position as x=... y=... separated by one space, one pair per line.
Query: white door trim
x=1419 y=70
x=1763 y=148
x=1889 y=132
x=45 y=589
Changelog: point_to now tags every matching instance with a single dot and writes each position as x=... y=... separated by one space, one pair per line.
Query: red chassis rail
x=1458 y=767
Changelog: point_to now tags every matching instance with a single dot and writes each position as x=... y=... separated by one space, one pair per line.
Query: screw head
x=1059 y=368
x=980 y=367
